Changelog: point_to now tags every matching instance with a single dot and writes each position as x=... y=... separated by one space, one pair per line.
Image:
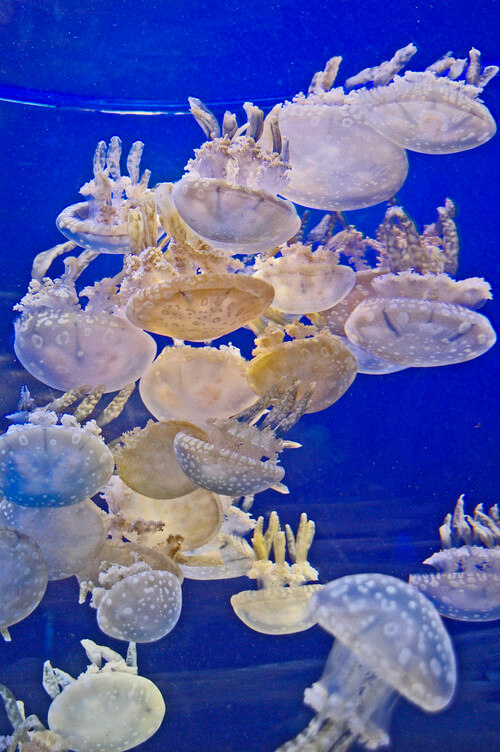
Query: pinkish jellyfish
x=431 y=111
x=229 y=193
x=466 y=585
x=390 y=640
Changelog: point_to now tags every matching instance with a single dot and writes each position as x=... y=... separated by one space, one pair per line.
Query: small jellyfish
x=65 y=345
x=389 y=640
x=411 y=322
x=339 y=162
x=370 y=364
x=100 y=223
x=29 y=733
x=281 y=605
x=23 y=578
x=229 y=193
x=313 y=356
x=44 y=463
x=466 y=586
x=67 y=536
x=432 y=112
x=108 y=708
x=238 y=457
x=196 y=383
x=200 y=307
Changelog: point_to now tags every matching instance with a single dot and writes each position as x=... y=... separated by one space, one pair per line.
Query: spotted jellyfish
x=338 y=161
x=229 y=194
x=433 y=112
x=100 y=223
x=107 y=708
x=238 y=457
x=281 y=604
x=390 y=640
x=466 y=585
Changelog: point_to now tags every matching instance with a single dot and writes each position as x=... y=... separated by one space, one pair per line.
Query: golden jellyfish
x=46 y=463
x=196 y=383
x=466 y=585
x=314 y=356
x=338 y=161
x=107 y=708
x=239 y=456
x=100 y=223
x=229 y=193
x=433 y=111
x=23 y=578
x=281 y=604
x=65 y=345
x=389 y=641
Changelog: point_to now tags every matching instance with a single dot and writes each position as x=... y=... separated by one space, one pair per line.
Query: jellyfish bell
x=46 y=464
x=200 y=307
x=229 y=194
x=430 y=112
x=23 y=578
x=104 y=709
x=389 y=640
x=196 y=383
x=371 y=364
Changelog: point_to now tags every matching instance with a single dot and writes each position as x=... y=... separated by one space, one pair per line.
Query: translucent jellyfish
x=411 y=322
x=305 y=281
x=389 y=640
x=146 y=462
x=338 y=160
x=281 y=605
x=100 y=223
x=196 y=383
x=108 y=708
x=23 y=578
x=65 y=345
x=466 y=586
x=370 y=364
x=231 y=459
x=46 y=464
x=313 y=356
x=195 y=517
x=229 y=193
x=67 y=536
x=431 y=111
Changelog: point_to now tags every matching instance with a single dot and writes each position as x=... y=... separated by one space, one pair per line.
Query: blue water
x=379 y=470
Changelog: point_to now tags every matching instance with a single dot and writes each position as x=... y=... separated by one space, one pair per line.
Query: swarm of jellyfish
x=230 y=246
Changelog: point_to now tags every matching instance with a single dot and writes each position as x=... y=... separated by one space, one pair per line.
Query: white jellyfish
x=389 y=640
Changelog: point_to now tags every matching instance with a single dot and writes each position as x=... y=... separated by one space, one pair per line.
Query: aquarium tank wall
x=249 y=443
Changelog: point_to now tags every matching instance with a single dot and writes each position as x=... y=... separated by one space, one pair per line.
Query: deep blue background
x=378 y=470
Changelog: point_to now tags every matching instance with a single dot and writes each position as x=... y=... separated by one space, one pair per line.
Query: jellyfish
x=65 y=346
x=281 y=605
x=201 y=306
x=67 y=536
x=466 y=586
x=196 y=383
x=338 y=161
x=432 y=112
x=23 y=578
x=100 y=223
x=411 y=322
x=108 y=708
x=229 y=193
x=230 y=461
x=390 y=640
x=46 y=463
x=29 y=733
x=314 y=355
x=371 y=364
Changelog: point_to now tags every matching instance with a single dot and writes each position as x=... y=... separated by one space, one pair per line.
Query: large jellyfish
x=431 y=111
x=100 y=223
x=281 y=605
x=108 y=708
x=466 y=585
x=390 y=640
x=229 y=193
